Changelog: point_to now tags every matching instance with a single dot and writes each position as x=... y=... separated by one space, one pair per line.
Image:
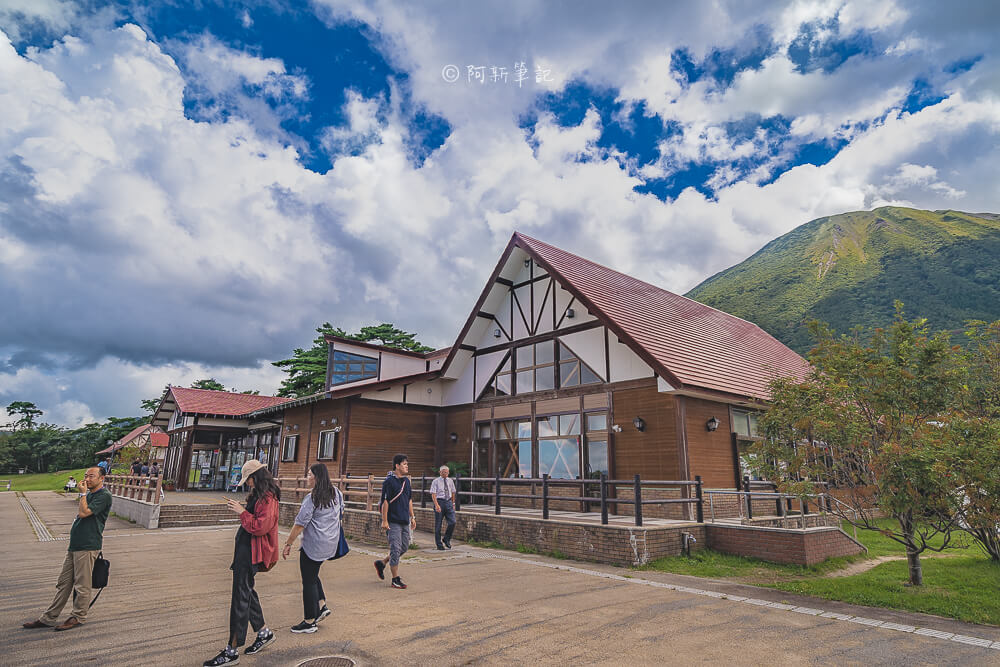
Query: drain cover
x=327 y=661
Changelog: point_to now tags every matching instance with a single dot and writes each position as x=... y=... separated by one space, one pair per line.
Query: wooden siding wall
x=710 y=452
x=308 y=418
x=458 y=422
x=651 y=453
x=380 y=431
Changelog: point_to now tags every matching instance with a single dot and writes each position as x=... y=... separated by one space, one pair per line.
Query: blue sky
x=257 y=168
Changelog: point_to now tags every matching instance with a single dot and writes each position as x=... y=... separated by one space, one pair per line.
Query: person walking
x=144 y=469
x=443 y=494
x=396 y=506
x=256 y=551
x=86 y=537
x=154 y=470
x=136 y=468
x=318 y=521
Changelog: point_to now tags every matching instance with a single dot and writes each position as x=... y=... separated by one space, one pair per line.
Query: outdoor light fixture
x=639 y=424
x=496 y=333
x=616 y=428
x=712 y=424
x=527 y=262
x=453 y=437
x=336 y=429
x=322 y=422
x=570 y=313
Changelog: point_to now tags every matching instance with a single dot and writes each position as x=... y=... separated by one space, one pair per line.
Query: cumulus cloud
x=143 y=242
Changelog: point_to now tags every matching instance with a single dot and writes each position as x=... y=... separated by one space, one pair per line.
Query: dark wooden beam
x=484 y=314
x=504 y=281
x=548 y=335
x=467 y=348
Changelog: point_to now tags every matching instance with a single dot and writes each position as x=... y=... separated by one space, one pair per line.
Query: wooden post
x=604 y=499
x=458 y=489
x=159 y=489
x=545 y=495
x=746 y=487
x=496 y=492
x=423 y=491
x=701 y=501
x=637 y=496
x=368 y=492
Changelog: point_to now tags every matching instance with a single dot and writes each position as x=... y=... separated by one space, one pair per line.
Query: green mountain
x=848 y=269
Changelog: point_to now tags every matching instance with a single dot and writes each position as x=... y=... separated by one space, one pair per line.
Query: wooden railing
x=540 y=489
x=144 y=488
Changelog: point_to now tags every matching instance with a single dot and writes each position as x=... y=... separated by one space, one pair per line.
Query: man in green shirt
x=85 y=540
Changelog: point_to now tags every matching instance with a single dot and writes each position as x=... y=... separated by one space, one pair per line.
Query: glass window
x=545 y=378
x=349 y=367
x=327 y=445
x=543 y=352
x=569 y=374
x=597 y=422
x=560 y=458
x=745 y=423
x=597 y=458
x=548 y=426
x=484 y=431
x=525 y=357
x=569 y=424
x=524 y=430
x=288 y=451
x=525 y=382
x=524 y=458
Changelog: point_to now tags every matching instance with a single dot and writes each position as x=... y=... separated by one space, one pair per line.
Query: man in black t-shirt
x=398 y=519
x=85 y=540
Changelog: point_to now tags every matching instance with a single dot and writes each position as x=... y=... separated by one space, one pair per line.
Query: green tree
x=306 y=368
x=209 y=383
x=149 y=404
x=27 y=413
x=868 y=418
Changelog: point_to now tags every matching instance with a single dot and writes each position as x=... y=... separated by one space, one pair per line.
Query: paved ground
x=169 y=598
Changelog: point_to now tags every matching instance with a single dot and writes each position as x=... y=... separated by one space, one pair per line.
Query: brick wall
x=802 y=547
x=616 y=545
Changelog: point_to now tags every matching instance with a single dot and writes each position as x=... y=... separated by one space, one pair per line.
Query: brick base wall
x=615 y=545
x=801 y=547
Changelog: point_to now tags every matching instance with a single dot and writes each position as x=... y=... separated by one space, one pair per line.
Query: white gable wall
x=589 y=347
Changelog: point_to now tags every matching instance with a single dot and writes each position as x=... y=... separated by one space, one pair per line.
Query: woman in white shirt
x=318 y=521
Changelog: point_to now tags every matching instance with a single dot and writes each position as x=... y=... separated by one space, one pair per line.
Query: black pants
x=245 y=606
x=447 y=512
x=312 y=587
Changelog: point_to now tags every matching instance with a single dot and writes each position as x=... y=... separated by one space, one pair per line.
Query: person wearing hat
x=256 y=551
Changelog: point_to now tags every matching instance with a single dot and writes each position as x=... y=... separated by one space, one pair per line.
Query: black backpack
x=100 y=577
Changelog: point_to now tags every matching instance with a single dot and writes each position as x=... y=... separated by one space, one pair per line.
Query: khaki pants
x=77 y=571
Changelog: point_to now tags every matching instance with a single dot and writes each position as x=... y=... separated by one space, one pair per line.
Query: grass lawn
x=43 y=481
x=962 y=587
x=960 y=583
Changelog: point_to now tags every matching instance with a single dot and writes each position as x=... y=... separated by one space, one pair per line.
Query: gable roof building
x=564 y=367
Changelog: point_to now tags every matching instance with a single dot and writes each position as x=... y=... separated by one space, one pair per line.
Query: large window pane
x=569 y=374
x=543 y=352
x=525 y=356
x=569 y=424
x=560 y=458
x=506 y=460
x=597 y=458
x=597 y=422
x=483 y=431
x=587 y=376
x=524 y=429
x=524 y=458
x=548 y=426
x=502 y=385
x=545 y=378
x=525 y=382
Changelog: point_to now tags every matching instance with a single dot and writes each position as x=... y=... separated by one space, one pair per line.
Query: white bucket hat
x=249 y=468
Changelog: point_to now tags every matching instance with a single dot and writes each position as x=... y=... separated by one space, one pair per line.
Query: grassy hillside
x=848 y=269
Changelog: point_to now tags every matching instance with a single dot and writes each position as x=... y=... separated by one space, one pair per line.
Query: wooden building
x=564 y=367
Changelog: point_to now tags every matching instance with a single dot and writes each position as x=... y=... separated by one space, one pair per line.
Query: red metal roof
x=688 y=342
x=208 y=402
x=158 y=438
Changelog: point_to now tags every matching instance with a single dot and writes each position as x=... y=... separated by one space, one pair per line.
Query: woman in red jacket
x=256 y=551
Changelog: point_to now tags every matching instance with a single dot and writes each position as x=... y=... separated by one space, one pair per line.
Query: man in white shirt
x=443 y=494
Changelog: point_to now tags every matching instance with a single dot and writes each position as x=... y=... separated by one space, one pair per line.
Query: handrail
x=135 y=487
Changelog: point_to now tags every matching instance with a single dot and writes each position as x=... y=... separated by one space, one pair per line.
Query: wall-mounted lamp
x=570 y=313
x=616 y=428
x=496 y=333
x=336 y=429
x=453 y=437
x=527 y=262
x=322 y=422
x=639 y=424
x=712 y=424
